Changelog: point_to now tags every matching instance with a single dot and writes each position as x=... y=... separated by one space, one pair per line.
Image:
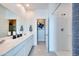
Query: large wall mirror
x=9 y=22
x=12 y=23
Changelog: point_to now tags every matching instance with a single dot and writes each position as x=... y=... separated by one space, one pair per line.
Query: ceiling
x=21 y=11
x=36 y=6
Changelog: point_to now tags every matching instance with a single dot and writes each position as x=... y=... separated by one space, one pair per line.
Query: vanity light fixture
x=27 y=5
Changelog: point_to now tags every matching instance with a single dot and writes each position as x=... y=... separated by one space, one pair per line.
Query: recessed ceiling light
x=27 y=5
x=19 y=5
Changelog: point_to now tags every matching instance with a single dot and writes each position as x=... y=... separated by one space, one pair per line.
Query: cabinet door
x=29 y=46
x=15 y=50
x=22 y=50
x=28 y=43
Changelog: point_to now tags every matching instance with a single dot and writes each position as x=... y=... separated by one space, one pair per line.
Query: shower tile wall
x=75 y=28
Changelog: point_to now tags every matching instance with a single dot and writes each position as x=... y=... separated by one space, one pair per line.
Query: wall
x=25 y=22
x=64 y=41
x=39 y=14
x=75 y=28
x=61 y=40
x=52 y=27
x=3 y=22
x=3 y=27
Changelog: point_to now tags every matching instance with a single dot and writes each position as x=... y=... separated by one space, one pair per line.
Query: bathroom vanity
x=16 y=47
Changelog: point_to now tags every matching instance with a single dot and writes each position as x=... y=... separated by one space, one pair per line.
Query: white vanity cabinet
x=22 y=49
x=25 y=50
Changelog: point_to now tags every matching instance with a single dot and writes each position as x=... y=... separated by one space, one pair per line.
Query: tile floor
x=64 y=53
x=40 y=50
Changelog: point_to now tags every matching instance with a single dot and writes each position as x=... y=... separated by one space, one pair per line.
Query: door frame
x=44 y=31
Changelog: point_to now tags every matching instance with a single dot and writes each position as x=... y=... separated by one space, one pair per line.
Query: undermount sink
x=2 y=41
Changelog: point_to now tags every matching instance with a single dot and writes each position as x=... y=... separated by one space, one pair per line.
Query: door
x=41 y=30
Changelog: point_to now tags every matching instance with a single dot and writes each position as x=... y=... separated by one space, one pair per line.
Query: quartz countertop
x=10 y=43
